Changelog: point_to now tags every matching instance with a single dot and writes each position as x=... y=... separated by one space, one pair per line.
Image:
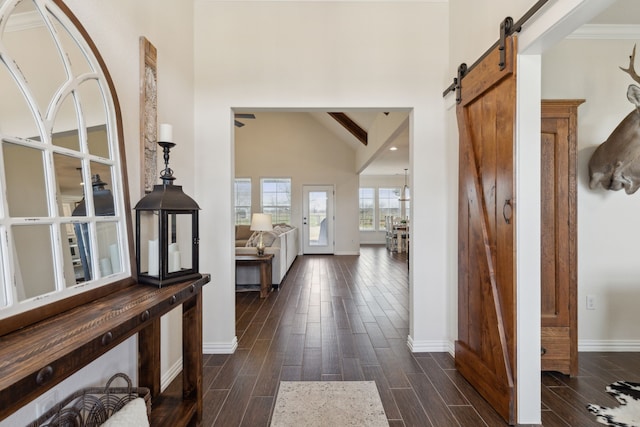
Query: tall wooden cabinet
x=559 y=320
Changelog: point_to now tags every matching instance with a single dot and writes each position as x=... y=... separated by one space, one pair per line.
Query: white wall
x=475 y=26
x=115 y=27
x=607 y=221
x=296 y=146
x=321 y=55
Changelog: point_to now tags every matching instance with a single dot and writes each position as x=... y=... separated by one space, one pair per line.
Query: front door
x=486 y=345
x=317 y=219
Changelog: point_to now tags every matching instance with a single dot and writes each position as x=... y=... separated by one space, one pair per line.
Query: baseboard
x=583 y=345
x=347 y=253
x=609 y=345
x=452 y=348
x=171 y=374
x=430 y=346
x=216 y=348
x=220 y=348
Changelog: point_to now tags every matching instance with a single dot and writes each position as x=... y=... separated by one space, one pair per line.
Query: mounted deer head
x=616 y=162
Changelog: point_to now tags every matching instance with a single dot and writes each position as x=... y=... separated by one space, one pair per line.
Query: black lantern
x=167 y=232
x=102 y=206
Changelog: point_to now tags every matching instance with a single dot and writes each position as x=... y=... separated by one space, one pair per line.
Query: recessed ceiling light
x=393 y=148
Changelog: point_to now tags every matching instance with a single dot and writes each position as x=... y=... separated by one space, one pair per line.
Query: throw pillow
x=132 y=414
x=243 y=232
x=253 y=240
x=268 y=238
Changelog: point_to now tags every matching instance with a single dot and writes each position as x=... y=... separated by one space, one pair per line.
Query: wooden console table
x=36 y=358
x=264 y=262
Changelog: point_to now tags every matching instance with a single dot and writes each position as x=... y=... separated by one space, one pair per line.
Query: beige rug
x=328 y=403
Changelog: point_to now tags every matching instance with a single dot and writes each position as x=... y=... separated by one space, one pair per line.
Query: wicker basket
x=92 y=406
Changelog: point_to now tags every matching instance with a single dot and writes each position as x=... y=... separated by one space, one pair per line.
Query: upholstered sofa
x=282 y=242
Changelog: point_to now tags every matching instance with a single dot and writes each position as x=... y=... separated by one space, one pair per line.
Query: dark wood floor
x=343 y=318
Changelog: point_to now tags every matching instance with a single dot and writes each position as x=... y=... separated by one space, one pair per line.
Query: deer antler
x=631 y=71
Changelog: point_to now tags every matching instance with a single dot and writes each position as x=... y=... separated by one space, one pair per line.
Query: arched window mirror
x=64 y=214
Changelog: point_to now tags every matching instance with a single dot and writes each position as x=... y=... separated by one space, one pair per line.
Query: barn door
x=486 y=346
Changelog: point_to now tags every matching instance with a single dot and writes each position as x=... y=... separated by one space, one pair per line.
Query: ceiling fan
x=242 y=116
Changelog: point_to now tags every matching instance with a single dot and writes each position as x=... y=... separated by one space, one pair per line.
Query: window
x=276 y=199
x=388 y=204
x=242 y=191
x=367 y=209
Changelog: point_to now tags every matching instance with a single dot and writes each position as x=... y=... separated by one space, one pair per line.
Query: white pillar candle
x=174 y=257
x=153 y=258
x=166 y=133
x=174 y=261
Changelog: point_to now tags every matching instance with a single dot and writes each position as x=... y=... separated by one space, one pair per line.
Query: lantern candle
x=153 y=258
x=174 y=258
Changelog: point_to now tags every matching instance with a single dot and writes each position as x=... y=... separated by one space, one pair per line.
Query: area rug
x=625 y=415
x=328 y=403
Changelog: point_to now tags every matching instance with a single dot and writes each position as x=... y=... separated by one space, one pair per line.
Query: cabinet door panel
x=559 y=236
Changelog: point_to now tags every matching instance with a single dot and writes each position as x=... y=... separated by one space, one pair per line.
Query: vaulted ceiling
x=352 y=127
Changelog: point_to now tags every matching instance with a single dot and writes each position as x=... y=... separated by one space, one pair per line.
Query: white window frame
x=280 y=211
x=237 y=207
x=393 y=195
x=374 y=199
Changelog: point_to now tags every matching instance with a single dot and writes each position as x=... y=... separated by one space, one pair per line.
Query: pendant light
x=404 y=194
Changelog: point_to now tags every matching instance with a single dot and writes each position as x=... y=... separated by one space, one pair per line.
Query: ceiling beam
x=351 y=126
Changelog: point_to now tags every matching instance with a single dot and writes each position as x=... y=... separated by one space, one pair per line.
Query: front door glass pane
x=318 y=218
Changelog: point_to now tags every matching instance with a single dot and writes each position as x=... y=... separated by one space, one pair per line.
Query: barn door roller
x=507 y=28
x=462 y=70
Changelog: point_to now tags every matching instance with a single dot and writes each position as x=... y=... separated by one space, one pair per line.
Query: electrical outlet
x=591 y=302
x=46 y=402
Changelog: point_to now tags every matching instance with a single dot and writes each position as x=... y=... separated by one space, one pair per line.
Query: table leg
x=265 y=279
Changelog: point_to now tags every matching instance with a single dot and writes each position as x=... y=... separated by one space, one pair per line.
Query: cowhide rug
x=625 y=415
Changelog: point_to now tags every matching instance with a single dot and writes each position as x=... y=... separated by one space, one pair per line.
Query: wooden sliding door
x=486 y=346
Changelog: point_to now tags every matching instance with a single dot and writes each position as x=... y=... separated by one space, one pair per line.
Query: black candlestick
x=167 y=174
